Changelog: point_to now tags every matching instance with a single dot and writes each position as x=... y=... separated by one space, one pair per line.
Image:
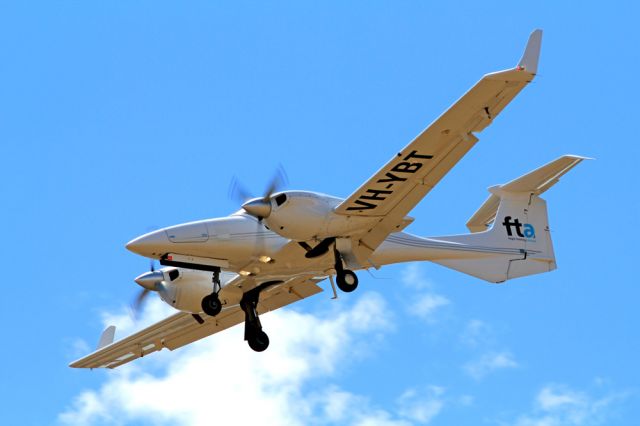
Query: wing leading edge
x=398 y=186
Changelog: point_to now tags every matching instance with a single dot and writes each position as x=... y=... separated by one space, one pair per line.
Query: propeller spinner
x=259 y=207
x=149 y=281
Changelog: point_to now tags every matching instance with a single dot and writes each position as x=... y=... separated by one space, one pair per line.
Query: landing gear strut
x=346 y=279
x=253 y=334
x=211 y=304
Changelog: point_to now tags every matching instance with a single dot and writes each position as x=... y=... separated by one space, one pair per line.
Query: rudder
x=518 y=242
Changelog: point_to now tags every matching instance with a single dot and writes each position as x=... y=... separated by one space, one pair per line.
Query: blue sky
x=118 y=118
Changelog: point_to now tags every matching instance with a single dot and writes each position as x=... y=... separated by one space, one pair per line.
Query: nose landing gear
x=211 y=304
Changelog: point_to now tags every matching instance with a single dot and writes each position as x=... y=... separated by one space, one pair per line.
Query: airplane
x=274 y=251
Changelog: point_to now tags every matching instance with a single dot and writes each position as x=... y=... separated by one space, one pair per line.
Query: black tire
x=259 y=341
x=347 y=281
x=211 y=305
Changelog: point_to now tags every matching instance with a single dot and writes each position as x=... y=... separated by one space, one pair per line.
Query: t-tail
x=510 y=234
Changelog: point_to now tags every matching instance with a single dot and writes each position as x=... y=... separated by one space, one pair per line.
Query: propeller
x=259 y=207
x=149 y=282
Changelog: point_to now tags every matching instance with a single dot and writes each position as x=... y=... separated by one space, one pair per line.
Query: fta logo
x=523 y=230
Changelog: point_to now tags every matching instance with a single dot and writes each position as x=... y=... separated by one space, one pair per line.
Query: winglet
x=107 y=336
x=529 y=61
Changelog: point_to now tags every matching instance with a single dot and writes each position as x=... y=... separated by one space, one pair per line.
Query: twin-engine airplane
x=221 y=272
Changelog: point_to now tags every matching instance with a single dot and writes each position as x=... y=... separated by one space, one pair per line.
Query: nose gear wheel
x=211 y=304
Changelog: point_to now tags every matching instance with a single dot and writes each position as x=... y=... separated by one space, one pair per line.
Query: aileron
x=398 y=186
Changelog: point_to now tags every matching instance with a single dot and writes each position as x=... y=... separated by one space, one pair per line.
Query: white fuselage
x=277 y=247
x=240 y=240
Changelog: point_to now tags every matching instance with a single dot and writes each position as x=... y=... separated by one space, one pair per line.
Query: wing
x=398 y=186
x=183 y=328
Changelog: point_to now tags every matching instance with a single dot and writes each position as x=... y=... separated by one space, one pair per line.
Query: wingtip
x=531 y=55
x=107 y=337
x=579 y=157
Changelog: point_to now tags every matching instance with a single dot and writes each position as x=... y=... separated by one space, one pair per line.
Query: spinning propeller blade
x=136 y=305
x=278 y=181
x=148 y=282
x=258 y=207
x=238 y=192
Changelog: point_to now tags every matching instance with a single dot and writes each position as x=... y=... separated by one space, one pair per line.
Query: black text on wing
x=370 y=198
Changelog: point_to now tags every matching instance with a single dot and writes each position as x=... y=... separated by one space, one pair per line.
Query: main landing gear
x=253 y=334
x=211 y=304
x=346 y=279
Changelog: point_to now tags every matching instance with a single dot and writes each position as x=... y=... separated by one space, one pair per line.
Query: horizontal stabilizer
x=535 y=182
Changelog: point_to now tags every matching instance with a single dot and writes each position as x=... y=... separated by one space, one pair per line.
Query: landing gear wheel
x=259 y=341
x=347 y=281
x=211 y=304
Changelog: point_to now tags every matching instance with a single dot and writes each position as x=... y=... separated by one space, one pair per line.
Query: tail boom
x=515 y=242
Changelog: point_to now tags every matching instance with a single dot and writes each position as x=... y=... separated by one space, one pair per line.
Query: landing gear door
x=353 y=257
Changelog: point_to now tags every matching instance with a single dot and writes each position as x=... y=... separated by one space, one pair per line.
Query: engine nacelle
x=303 y=216
x=185 y=292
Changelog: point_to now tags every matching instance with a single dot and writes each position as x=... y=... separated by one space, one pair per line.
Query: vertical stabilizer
x=518 y=242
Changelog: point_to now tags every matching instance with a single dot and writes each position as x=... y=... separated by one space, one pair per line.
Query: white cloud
x=126 y=321
x=421 y=407
x=559 y=405
x=413 y=276
x=341 y=407
x=220 y=380
x=77 y=348
x=425 y=305
x=337 y=403
x=489 y=363
x=477 y=333
x=425 y=302
x=553 y=397
x=379 y=418
x=466 y=400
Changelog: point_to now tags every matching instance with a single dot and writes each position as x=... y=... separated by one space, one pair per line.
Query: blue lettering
x=529 y=231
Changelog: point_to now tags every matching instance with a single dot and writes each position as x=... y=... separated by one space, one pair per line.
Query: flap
x=409 y=176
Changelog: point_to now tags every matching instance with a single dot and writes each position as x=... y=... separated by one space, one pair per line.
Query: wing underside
x=398 y=186
x=183 y=328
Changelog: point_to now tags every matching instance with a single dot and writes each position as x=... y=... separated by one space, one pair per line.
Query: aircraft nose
x=153 y=244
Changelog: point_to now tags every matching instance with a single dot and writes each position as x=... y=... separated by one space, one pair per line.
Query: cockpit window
x=280 y=199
